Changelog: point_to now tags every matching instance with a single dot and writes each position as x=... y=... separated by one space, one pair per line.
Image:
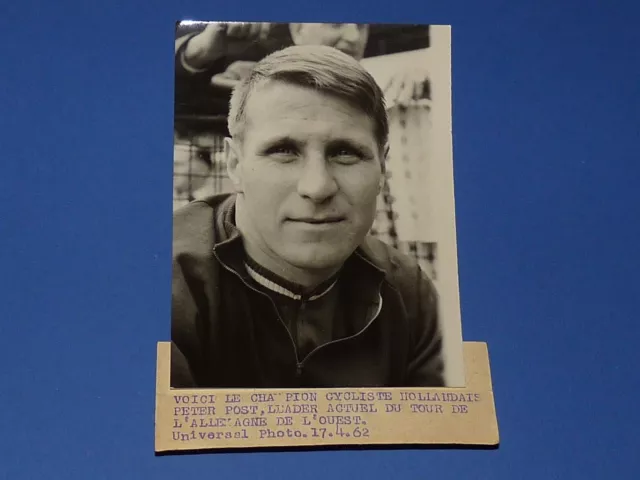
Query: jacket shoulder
x=402 y=272
x=197 y=226
x=397 y=266
x=193 y=228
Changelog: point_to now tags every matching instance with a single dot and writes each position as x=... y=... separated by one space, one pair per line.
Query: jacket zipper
x=300 y=364
x=293 y=343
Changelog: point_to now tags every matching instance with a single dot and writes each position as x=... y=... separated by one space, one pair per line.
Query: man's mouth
x=318 y=220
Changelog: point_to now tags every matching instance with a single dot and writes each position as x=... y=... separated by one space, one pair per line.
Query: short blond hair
x=321 y=68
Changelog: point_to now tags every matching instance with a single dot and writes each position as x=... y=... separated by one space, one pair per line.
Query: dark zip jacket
x=226 y=333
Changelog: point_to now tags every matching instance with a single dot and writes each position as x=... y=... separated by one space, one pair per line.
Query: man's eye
x=346 y=155
x=347 y=151
x=282 y=153
x=281 y=150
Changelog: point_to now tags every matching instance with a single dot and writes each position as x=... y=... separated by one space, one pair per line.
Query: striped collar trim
x=274 y=287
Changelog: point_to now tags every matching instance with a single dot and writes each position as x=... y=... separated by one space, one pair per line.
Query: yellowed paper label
x=222 y=418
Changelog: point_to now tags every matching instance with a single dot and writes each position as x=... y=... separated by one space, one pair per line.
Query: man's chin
x=316 y=259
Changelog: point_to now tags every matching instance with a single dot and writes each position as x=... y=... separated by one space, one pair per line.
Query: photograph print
x=314 y=236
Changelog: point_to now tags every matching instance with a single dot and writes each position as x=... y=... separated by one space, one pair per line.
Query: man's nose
x=316 y=181
x=350 y=32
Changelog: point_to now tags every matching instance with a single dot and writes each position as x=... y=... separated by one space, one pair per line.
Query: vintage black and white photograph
x=314 y=240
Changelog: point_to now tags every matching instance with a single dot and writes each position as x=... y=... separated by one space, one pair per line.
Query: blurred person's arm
x=204 y=52
x=200 y=51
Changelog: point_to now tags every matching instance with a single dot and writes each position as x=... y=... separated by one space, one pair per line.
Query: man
x=278 y=285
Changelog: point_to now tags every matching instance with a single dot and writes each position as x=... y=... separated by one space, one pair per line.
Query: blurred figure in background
x=222 y=54
x=208 y=50
x=350 y=38
x=192 y=168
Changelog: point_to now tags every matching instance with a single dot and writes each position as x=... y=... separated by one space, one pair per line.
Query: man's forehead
x=273 y=100
x=305 y=122
x=268 y=89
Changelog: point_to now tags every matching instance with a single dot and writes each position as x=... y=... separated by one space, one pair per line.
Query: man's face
x=308 y=170
x=350 y=38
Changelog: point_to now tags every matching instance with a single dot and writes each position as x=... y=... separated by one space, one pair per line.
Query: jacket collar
x=282 y=286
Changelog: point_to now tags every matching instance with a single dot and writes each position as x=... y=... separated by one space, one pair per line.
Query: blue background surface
x=546 y=134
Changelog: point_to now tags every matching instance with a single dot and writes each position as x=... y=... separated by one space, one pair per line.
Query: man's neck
x=275 y=283
x=305 y=277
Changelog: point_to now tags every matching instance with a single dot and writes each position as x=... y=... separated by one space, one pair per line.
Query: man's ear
x=234 y=168
x=383 y=165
